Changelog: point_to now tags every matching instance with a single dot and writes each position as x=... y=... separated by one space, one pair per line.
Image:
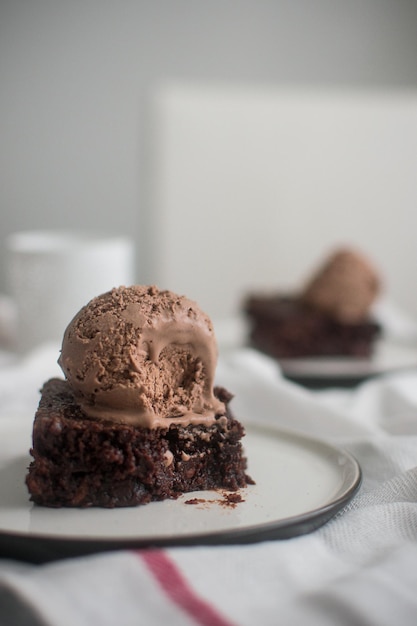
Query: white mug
x=53 y=274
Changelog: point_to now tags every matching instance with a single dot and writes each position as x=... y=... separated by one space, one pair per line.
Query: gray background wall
x=76 y=81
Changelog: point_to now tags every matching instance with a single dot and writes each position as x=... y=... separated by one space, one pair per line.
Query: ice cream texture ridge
x=144 y=356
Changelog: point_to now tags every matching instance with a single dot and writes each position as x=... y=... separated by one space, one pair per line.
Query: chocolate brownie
x=79 y=461
x=285 y=327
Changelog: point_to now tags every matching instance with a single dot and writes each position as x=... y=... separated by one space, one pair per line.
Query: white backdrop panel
x=250 y=188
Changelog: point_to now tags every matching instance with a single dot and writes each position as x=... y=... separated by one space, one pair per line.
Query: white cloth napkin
x=360 y=568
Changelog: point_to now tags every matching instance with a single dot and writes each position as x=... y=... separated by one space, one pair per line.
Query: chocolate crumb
x=227 y=500
x=231 y=499
x=234 y=498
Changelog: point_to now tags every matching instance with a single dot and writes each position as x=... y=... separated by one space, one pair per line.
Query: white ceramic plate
x=388 y=357
x=300 y=484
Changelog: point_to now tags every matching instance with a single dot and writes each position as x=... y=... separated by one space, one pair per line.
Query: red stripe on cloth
x=179 y=591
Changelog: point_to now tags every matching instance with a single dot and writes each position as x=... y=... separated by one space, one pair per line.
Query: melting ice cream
x=142 y=356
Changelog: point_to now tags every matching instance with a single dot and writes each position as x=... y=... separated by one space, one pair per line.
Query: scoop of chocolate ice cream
x=144 y=356
x=344 y=287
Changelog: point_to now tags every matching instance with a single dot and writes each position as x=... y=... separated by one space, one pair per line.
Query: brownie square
x=82 y=462
x=284 y=327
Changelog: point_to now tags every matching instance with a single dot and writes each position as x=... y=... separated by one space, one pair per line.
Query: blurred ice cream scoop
x=345 y=286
